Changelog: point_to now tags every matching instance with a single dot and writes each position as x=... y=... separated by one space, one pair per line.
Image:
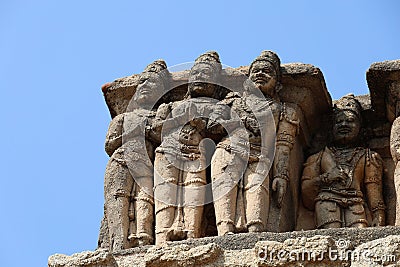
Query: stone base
x=379 y=246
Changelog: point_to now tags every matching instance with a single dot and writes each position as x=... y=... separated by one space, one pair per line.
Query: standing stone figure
x=394 y=101
x=180 y=163
x=244 y=161
x=340 y=180
x=129 y=173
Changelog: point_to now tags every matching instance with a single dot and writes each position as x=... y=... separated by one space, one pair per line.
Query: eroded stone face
x=346 y=128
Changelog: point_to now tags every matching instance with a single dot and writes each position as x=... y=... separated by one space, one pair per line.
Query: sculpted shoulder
x=314 y=159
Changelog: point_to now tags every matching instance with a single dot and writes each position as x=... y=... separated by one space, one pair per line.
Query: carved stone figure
x=180 y=165
x=129 y=173
x=339 y=181
x=244 y=161
x=394 y=102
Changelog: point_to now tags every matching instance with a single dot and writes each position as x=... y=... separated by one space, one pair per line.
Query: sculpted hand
x=334 y=175
x=279 y=185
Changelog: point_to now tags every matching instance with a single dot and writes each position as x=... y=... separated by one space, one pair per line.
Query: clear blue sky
x=55 y=55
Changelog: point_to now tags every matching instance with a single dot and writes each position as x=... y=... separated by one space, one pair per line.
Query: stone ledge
x=244 y=250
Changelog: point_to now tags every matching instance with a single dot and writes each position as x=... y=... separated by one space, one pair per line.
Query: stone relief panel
x=213 y=150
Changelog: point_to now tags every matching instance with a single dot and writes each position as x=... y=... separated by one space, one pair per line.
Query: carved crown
x=210 y=57
x=271 y=57
x=348 y=102
x=156 y=66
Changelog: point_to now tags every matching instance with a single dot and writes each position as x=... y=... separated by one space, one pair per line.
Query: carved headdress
x=211 y=58
x=272 y=58
x=350 y=103
x=158 y=67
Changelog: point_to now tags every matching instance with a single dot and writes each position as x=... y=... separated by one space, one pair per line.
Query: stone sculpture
x=337 y=180
x=241 y=164
x=263 y=136
x=263 y=128
x=129 y=173
x=180 y=166
x=394 y=101
x=383 y=82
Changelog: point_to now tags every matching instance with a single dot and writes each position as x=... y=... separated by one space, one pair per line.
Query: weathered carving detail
x=180 y=166
x=129 y=172
x=337 y=180
x=394 y=102
x=263 y=125
x=241 y=164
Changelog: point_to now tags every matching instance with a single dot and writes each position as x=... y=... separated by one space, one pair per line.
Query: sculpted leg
x=165 y=197
x=327 y=215
x=118 y=185
x=225 y=190
x=194 y=203
x=355 y=216
x=144 y=212
x=397 y=187
x=256 y=199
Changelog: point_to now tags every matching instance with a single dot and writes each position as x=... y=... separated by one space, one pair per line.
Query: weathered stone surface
x=182 y=255
x=307 y=80
x=379 y=77
x=243 y=250
x=118 y=93
x=344 y=180
x=313 y=251
x=97 y=258
x=302 y=88
x=380 y=252
x=384 y=84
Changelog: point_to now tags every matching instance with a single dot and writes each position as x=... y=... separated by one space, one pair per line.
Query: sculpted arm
x=154 y=131
x=288 y=128
x=395 y=140
x=311 y=180
x=221 y=120
x=373 y=186
x=114 y=134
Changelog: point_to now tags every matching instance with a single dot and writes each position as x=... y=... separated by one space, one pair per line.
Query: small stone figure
x=180 y=163
x=129 y=173
x=244 y=161
x=340 y=180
